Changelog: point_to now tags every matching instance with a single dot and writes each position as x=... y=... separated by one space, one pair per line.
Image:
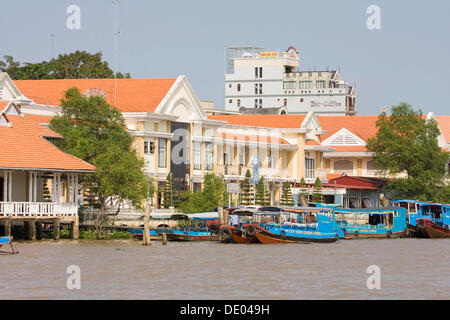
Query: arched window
x=343 y=166
x=371 y=165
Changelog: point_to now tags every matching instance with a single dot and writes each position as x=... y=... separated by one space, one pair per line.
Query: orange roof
x=252 y=138
x=312 y=143
x=23 y=147
x=362 y=126
x=349 y=148
x=133 y=95
x=288 y=121
x=39 y=119
x=444 y=124
x=333 y=175
x=3 y=104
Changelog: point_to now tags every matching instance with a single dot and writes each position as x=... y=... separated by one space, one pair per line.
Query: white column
x=30 y=186
x=59 y=188
x=10 y=186
x=35 y=187
x=69 y=187
x=76 y=188
x=5 y=186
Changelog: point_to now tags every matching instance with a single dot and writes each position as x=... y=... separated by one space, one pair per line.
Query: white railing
x=38 y=209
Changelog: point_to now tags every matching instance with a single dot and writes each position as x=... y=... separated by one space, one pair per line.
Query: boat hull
x=431 y=229
x=265 y=236
x=192 y=237
x=239 y=236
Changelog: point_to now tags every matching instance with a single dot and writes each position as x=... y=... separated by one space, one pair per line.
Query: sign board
x=233 y=188
x=272 y=54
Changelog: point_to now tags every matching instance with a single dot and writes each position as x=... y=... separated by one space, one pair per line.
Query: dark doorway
x=179 y=162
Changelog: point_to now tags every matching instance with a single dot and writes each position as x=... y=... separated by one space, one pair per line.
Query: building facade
x=271 y=80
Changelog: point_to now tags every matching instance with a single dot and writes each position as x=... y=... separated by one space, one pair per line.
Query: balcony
x=38 y=209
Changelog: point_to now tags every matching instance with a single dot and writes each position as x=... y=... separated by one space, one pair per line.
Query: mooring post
x=221 y=221
x=75 y=228
x=56 y=228
x=164 y=239
x=146 y=237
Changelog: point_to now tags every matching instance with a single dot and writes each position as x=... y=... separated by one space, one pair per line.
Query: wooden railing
x=38 y=209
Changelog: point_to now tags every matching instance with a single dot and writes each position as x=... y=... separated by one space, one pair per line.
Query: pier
x=34 y=215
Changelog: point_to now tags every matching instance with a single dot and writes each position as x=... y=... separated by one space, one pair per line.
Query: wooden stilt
x=146 y=237
x=56 y=228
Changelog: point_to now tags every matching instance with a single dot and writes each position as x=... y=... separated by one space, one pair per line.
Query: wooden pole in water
x=164 y=239
x=221 y=221
x=146 y=237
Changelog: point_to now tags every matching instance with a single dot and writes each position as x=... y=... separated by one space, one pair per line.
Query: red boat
x=431 y=229
x=244 y=234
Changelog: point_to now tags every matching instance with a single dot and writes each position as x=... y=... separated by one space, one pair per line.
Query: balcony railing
x=38 y=209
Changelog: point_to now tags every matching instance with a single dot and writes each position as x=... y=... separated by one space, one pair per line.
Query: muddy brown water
x=410 y=269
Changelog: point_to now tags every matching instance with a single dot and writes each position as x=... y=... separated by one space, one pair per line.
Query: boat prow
x=8 y=241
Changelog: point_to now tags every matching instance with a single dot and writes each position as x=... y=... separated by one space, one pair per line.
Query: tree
x=212 y=195
x=317 y=194
x=76 y=65
x=286 y=195
x=407 y=143
x=95 y=132
x=246 y=196
x=262 y=193
x=169 y=191
x=303 y=195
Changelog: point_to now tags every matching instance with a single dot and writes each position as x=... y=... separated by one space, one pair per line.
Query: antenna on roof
x=116 y=35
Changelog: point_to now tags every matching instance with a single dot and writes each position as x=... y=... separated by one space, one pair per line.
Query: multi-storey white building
x=270 y=81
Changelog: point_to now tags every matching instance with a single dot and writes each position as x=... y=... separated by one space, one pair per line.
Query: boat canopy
x=381 y=211
x=204 y=216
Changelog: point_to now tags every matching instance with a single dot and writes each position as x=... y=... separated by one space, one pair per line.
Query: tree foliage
x=246 y=197
x=169 y=191
x=317 y=193
x=286 y=195
x=95 y=132
x=212 y=195
x=76 y=65
x=262 y=197
x=407 y=143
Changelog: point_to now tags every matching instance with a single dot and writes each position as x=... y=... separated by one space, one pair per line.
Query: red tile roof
x=133 y=95
x=349 y=148
x=23 y=147
x=312 y=143
x=289 y=121
x=362 y=126
x=444 y=124
x=253 y=138
x=39 y=119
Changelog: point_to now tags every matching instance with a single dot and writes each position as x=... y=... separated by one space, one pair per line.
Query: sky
x=407 y=60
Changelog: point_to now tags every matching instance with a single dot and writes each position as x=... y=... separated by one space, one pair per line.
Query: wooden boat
x=187 y=234
x=8 y=240
x=413 y=212
x=386 y=222
x=435 y=220
x=300 y=225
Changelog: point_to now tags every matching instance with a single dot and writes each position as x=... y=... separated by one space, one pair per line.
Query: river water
x=410 y=269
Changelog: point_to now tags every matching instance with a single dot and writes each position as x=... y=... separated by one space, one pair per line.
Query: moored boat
x=386 y=222
x=300 y=225
x=413 y=212
x=8 y=240
x=435 y=220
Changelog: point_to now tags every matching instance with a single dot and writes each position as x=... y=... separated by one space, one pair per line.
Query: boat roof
x=410 y=201
x=204 y=216
x=382 y=210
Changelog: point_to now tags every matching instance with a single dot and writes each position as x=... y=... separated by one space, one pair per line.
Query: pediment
x=344 y=137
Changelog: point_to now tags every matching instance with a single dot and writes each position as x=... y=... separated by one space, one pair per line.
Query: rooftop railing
x=38 y=209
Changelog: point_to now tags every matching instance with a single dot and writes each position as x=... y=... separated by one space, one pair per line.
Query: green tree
x=169 y=191
x=407 y=143
x=246 y=197
x=262 y=193
x=76 y=65
x=317 y=194
x=286 y=195
x=212 y=195
x=303 y=196
x=95 y=132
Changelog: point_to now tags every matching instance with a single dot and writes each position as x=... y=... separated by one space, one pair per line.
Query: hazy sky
x=407 y=60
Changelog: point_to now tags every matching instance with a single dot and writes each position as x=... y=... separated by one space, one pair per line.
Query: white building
x=270 y=81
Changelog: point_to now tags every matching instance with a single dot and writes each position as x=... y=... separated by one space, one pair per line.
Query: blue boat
x=302 y=225
x=386 y=222
x=8 y=241
x=413 y=212
x=434 y=221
